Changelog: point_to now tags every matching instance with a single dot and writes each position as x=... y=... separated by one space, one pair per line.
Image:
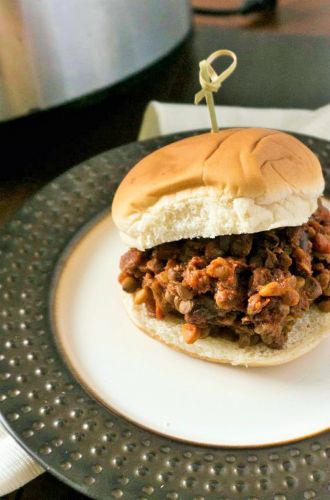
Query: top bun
x=229 y=182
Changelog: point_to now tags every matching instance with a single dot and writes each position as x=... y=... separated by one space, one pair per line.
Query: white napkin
x=163 y=118
x=17 y=467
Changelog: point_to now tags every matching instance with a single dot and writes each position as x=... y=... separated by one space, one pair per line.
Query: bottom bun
x=306 y=334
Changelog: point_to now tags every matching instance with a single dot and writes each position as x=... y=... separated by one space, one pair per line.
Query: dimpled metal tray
x=52 y=416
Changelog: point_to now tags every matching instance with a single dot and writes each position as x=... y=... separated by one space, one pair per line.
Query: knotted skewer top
x=210 y=81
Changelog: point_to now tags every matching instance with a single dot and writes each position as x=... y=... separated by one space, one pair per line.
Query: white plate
x=169 y=392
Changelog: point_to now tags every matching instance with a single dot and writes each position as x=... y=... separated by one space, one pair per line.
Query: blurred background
x=76 y=76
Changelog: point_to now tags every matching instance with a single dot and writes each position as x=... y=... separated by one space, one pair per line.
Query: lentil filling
x=250 y=288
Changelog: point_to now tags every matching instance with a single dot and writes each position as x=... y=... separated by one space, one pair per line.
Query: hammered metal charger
x=52 y=416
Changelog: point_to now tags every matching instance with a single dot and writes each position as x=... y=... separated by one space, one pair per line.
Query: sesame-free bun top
x=229 y=182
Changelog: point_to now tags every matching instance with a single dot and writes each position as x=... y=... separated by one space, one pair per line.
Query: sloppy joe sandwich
x=229 y=256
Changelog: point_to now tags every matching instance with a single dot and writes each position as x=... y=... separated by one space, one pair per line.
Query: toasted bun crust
x=231 y=182
x=306 y=334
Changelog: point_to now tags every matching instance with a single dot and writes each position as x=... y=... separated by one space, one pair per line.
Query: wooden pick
x=210 y=81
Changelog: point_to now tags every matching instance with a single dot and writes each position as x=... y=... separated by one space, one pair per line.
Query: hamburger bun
x=231 y=182
x=306 y=334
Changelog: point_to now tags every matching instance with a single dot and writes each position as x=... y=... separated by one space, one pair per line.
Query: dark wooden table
x=284 y=61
